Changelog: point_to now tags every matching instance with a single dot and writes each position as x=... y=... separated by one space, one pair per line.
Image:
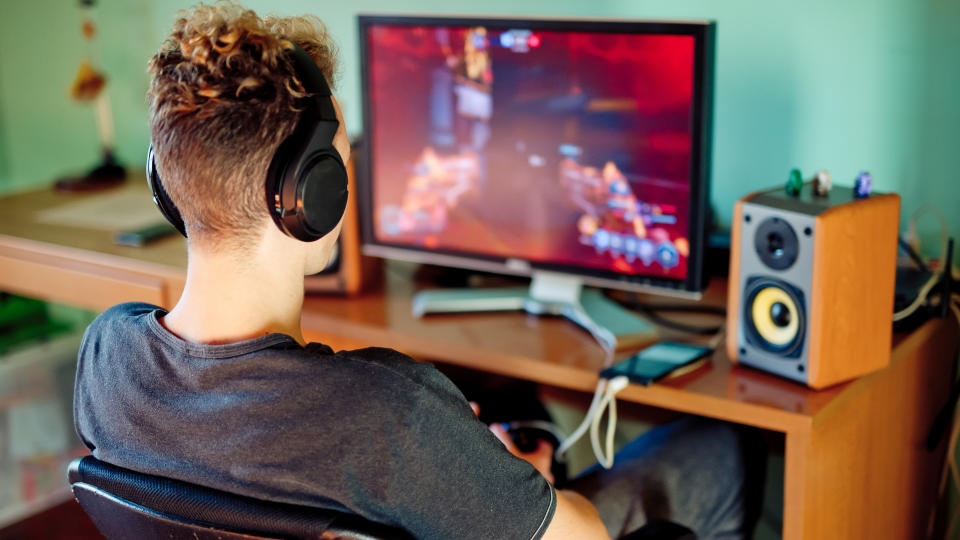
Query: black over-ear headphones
x=306 y=187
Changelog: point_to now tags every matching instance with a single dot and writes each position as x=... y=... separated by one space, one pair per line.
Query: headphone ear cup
x=308 y=205
x=306 y=186
x=324 y=193
x=160 y=197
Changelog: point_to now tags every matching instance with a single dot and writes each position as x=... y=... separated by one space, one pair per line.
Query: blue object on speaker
x=863 y=185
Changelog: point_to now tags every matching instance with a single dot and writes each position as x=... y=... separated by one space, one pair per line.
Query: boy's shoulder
x=123 y=312
x=398 y=364
x=127 y=324
x=132 y=331
x=119 y=319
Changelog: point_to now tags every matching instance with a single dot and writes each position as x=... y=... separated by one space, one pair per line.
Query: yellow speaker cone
x=777 y=332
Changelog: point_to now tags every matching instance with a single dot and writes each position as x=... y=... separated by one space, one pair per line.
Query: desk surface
x=552 y=351
x=556 y=352
x=20 y=226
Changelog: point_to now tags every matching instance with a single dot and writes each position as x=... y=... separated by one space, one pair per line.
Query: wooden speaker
x=811 y=286
x=349 y=272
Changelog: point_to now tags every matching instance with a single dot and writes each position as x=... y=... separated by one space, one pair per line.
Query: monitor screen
x=564 y=145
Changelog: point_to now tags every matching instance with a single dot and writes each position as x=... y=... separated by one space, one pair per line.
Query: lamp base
x=107 y=174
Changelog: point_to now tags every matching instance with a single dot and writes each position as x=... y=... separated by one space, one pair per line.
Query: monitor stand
x=548 y=294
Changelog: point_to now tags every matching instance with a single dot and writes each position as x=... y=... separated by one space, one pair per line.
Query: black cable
x=650 y=311
x=685 y=308
x=947 y=284
x=913 y=254
x=683 y=327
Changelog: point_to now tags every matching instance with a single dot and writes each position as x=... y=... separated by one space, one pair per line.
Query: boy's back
x=370 y=431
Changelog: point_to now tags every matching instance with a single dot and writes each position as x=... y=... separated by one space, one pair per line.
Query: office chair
x=127 y=504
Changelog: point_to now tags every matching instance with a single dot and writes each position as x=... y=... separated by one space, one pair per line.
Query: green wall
x=860 y=84
x=4 y=161
x=44 y=133
x=936 y=148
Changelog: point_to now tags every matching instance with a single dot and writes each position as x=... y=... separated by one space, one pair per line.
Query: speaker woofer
x=774 y=316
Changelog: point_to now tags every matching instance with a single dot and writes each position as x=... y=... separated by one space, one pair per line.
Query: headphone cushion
x=160 y=196
x=324 y=193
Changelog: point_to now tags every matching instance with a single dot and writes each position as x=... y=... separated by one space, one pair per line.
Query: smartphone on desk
x=658 y=361
x=143 y=236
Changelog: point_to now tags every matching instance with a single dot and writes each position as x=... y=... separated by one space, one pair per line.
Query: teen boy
x=223 y=390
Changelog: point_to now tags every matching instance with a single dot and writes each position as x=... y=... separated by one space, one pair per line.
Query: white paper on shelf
x=123 y=210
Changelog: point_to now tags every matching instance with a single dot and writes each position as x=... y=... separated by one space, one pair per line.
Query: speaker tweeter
x=776 y=243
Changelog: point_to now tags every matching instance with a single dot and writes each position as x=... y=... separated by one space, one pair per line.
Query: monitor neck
x=555 y=288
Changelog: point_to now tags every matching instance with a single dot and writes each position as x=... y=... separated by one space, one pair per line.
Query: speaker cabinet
x=811 y=286
x=349 y=271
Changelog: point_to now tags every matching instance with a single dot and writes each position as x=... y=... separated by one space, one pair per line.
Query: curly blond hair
x=222 y=98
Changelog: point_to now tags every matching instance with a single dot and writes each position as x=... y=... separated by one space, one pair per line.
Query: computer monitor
x=574 y=151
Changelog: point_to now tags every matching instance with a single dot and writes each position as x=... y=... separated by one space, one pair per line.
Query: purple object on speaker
x=863 y=185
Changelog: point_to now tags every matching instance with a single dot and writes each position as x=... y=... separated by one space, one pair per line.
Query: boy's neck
x=227 y=299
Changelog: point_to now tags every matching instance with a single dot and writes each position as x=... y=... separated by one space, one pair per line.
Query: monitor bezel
x=703 y=33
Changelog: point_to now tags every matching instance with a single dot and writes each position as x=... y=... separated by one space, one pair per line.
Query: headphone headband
x=313 y=81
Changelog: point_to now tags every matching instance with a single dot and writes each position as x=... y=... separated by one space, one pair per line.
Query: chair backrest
x=127 y=504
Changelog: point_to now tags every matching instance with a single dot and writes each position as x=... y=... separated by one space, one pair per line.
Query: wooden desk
x=82 y=266
x=855 y=467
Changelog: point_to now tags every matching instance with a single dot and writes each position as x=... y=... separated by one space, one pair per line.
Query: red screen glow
x=570 y=148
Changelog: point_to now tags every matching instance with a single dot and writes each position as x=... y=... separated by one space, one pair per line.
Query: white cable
x=716 y=340
x=924 y=293
x=912 y=226
x=609 y=352
x=605 y=455
x=920 y=299
x=603 y=396
x=585 y=424
x=945 y=266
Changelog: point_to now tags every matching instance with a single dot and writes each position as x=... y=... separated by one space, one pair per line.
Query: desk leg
x=796 y=455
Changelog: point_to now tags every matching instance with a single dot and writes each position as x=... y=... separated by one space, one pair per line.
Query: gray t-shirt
x=370 y=431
